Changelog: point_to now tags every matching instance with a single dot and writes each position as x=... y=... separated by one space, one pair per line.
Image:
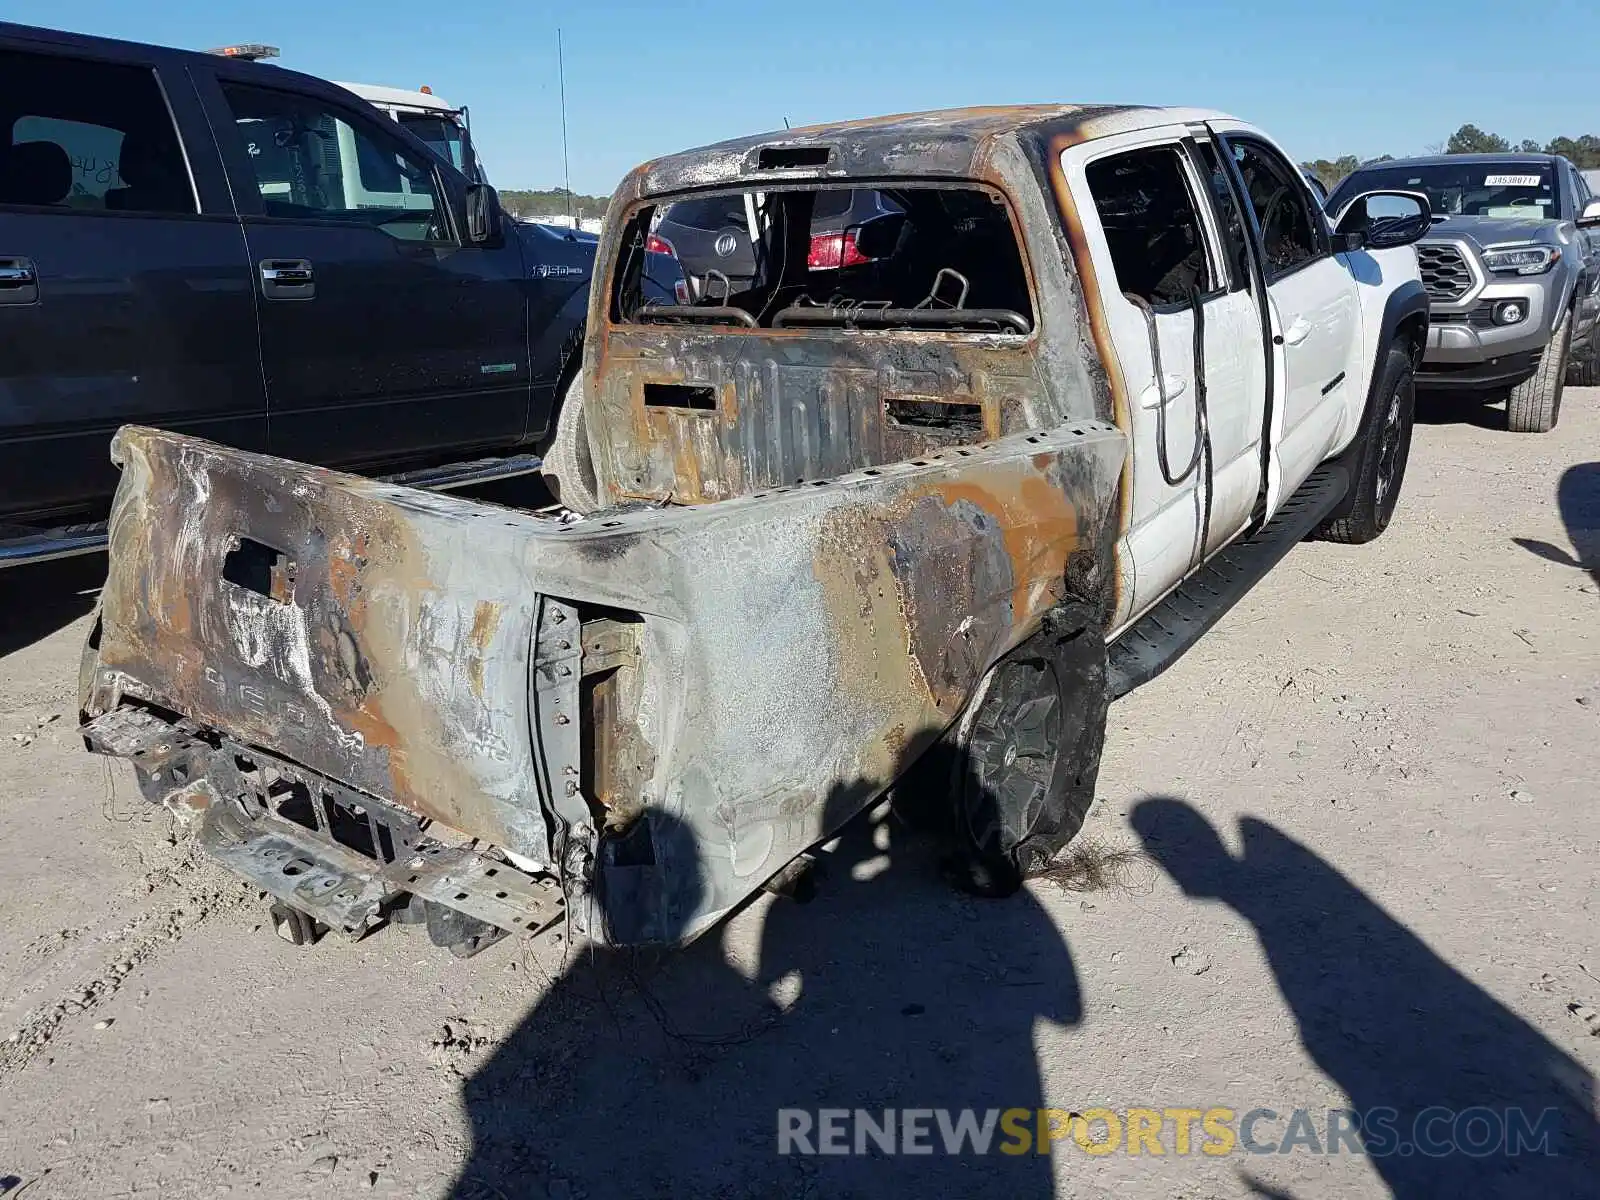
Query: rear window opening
x=926 y=258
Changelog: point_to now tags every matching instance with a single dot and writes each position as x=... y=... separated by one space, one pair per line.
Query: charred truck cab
x=856 y=513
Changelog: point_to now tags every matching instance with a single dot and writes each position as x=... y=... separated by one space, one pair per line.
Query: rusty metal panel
x=368 y=649
x=790 y=407
x=786 y=641
x=795 y=404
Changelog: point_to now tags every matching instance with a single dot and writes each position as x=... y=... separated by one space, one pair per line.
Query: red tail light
x=657 y=244
x=830 y=251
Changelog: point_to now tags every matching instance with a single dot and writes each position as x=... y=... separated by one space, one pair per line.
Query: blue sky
x=1355 y=76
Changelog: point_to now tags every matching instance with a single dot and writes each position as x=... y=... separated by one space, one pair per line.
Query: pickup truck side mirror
x=1590 y=217
x=1382 y=221
x=483 y=214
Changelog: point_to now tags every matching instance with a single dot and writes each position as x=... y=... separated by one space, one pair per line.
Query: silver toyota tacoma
x=1512 y=269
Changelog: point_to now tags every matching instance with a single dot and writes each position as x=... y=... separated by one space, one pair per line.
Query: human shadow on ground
x=37 y=600
x=1578 y=500
x=643 y=1075
x=1391 y=1023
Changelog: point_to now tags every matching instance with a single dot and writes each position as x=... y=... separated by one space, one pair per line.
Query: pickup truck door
x=384 y=338
x=1155 y=246
x=1314 y=310
x=124 y=283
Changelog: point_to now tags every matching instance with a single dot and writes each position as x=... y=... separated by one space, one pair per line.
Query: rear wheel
x=1378 y=459
x=1534 y=405
x=1028 y=758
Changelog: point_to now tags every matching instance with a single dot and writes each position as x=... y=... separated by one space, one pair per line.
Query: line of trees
x=552 y=202
x=1584 y=151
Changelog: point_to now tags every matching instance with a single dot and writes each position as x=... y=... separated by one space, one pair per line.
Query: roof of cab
x=1460 y=160
x=942 y=142
x=66 y=40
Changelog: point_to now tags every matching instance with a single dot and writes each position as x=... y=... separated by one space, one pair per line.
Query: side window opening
x=1236 y=239
x=441 y=135
x=310 y=162
x=90 y=136
x=1580 y=190
x=1277 y=197
x=916 y=257
x=1151 y=225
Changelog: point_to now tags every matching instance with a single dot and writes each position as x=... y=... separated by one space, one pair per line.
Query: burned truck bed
x=830 y=496
x=366 y=696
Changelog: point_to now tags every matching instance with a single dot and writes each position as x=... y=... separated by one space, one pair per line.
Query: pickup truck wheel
x=568 y=468
x=1583 y=370
x=1534 y=405
x=1031 y=755
x=1378 y=459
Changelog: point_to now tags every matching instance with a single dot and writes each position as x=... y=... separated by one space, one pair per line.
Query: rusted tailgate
x=435 y=652
x=376 y=634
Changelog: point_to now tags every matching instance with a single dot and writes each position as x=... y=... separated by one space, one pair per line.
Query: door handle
x=1299 y=330
x=19 y=281
x=1174 y=386
x=288 y=279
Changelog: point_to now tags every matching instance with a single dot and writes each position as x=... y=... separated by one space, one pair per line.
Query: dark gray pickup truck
x=1512 y=269
x=258 y=257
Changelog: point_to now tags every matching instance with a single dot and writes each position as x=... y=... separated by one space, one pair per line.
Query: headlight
x=1524 y=260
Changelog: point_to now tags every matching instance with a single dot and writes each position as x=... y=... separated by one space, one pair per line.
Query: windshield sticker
x=1511 y=181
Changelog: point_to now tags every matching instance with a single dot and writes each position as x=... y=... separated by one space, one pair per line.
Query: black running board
x=24 y=549
x=1160 y=637
x=65 y=542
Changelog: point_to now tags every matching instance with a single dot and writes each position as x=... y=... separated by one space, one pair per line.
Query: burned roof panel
x=944 y=142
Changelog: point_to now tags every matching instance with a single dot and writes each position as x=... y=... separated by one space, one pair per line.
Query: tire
x=1583 y=370
x=1028 y=756
x=568 y=468
x=1534 y=405
x=1377 y=460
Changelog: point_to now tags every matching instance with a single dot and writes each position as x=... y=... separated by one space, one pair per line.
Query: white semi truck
x=442 y=126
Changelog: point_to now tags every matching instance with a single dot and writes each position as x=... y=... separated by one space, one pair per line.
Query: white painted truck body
x=1325 y=339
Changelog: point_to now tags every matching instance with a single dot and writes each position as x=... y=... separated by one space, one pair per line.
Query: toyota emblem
x=725 y=245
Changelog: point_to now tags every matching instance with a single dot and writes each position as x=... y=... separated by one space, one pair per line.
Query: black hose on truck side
x=1202 y=416
x=1202 y=424
x=1173 y=479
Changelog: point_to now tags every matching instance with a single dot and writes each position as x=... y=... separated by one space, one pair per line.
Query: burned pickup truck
x=903 y=503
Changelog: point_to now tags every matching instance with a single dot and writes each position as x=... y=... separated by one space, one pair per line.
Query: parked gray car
x=1512 y=269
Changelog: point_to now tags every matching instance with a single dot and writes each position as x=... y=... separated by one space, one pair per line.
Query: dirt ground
x=1395 y=746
